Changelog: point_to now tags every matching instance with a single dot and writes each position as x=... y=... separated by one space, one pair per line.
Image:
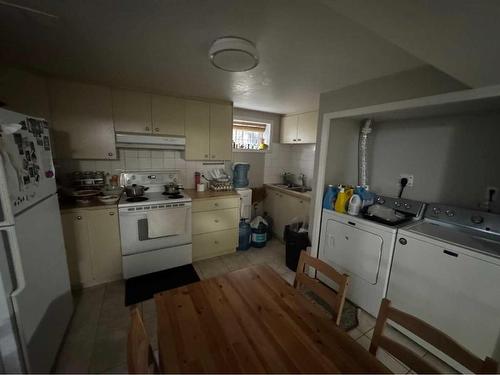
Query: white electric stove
x=142 y=252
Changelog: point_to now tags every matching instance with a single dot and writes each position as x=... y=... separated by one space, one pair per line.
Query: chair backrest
x=433 y=336
x=334 y=299
x=140 y=356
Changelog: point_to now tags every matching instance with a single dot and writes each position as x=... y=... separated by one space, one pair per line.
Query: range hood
x=157 y=142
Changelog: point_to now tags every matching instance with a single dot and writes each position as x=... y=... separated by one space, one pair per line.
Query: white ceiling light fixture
x=233 y=54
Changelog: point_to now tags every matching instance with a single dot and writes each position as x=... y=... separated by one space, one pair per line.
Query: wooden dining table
x=250 y=321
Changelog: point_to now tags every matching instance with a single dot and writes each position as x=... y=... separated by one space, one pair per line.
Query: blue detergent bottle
x=330 y=196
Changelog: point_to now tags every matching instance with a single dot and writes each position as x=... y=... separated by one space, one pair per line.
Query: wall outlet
x=409 y=177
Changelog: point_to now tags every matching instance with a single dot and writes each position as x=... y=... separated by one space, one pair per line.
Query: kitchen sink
x=297 y=188
x=300 y=189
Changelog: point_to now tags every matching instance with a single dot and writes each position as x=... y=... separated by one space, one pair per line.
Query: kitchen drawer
x=213 y=244
x=215 y=204
x=212 y=221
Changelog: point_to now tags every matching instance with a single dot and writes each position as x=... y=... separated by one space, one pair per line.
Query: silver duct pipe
x=363 y=152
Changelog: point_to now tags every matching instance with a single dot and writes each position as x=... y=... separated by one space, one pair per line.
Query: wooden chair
x=334 y=299
x=433 y=336
x=140 y=357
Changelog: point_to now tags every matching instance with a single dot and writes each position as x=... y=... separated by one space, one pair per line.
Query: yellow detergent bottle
x=341 y=202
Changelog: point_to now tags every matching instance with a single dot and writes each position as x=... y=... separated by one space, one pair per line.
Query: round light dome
x=233 y=54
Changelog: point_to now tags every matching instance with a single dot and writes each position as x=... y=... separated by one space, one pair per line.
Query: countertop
x=305 y=196
x=95 y=204
x=210 y=194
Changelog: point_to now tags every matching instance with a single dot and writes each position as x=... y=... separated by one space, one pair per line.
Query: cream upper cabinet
x=82 y=121
x=221 y=134
x=168 y=115
x=288 y=130
x=132 y=111
x=306 y=130
x=299 y=128
x=197 y=130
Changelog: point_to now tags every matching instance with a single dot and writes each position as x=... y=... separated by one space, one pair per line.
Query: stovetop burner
x=137 y=199
x=173 y=195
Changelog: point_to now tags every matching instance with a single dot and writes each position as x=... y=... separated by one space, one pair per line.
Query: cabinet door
x=288 y=129
x=221 y=131
x=82 y=121
x=132 y=111
x=77 y=242
x=105 y=250
x=306 y=130
x=168 y=115
x=197 y=130
x=280 y=214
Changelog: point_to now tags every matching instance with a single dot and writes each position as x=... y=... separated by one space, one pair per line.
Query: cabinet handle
x=110 y=154
x=206 y=155
x=301 y=201
x=403 y=241
x=216 y=242
x=78 y=217
x=216 y=204
x=299 y=139
x=213 y=156
x=216 y=220
x=147 y=128
x=111 y=214
x=451 y=253
x=294 y=140
x=157 y=129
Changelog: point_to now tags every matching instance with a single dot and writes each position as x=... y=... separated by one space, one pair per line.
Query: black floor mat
x=141 y=288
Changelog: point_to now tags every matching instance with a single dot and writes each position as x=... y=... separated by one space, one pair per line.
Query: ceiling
x=459 y=37
x=162 y=45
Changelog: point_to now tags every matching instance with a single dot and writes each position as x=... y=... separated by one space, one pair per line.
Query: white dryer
x=363 y=249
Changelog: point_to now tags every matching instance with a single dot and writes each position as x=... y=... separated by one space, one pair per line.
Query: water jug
x=259 y=235
x=240 y=175
x=330 y=196
x=245 y=235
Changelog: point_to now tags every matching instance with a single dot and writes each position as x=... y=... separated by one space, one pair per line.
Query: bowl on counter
x=108 y=199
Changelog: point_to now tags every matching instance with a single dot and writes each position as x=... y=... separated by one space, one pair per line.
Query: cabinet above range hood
x=157 y=142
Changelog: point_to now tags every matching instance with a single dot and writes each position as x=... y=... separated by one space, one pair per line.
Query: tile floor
x=96 y=339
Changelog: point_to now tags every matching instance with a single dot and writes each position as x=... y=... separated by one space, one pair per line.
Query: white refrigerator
x=35 y=296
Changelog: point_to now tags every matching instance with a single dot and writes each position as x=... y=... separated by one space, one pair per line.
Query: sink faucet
x=302 y=179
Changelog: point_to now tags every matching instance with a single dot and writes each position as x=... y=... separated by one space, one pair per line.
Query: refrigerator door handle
x=6 y=215
x=14 y=257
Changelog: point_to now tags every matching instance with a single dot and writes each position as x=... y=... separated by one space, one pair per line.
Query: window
x=251 y=136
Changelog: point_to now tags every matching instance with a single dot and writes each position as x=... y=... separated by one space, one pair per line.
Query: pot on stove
x=135 y=190
x=172 y=188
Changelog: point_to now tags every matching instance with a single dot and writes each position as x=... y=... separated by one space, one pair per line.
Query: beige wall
x=342 y=151
x=24 y=92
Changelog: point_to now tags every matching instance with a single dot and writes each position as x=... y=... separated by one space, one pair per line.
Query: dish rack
x=218 y=185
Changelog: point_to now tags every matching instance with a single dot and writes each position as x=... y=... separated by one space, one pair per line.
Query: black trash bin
x=295 y=242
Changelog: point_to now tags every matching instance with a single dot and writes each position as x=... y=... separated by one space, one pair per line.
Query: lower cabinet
x=92 y=238
x=215 y=226
x=283 y=209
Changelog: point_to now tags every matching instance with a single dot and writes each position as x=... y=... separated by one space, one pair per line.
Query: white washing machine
x=246 y=203
x=363 y=249
x=446 y=271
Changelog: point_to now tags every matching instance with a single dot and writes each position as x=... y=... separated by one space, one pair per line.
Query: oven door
x=134 y=233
